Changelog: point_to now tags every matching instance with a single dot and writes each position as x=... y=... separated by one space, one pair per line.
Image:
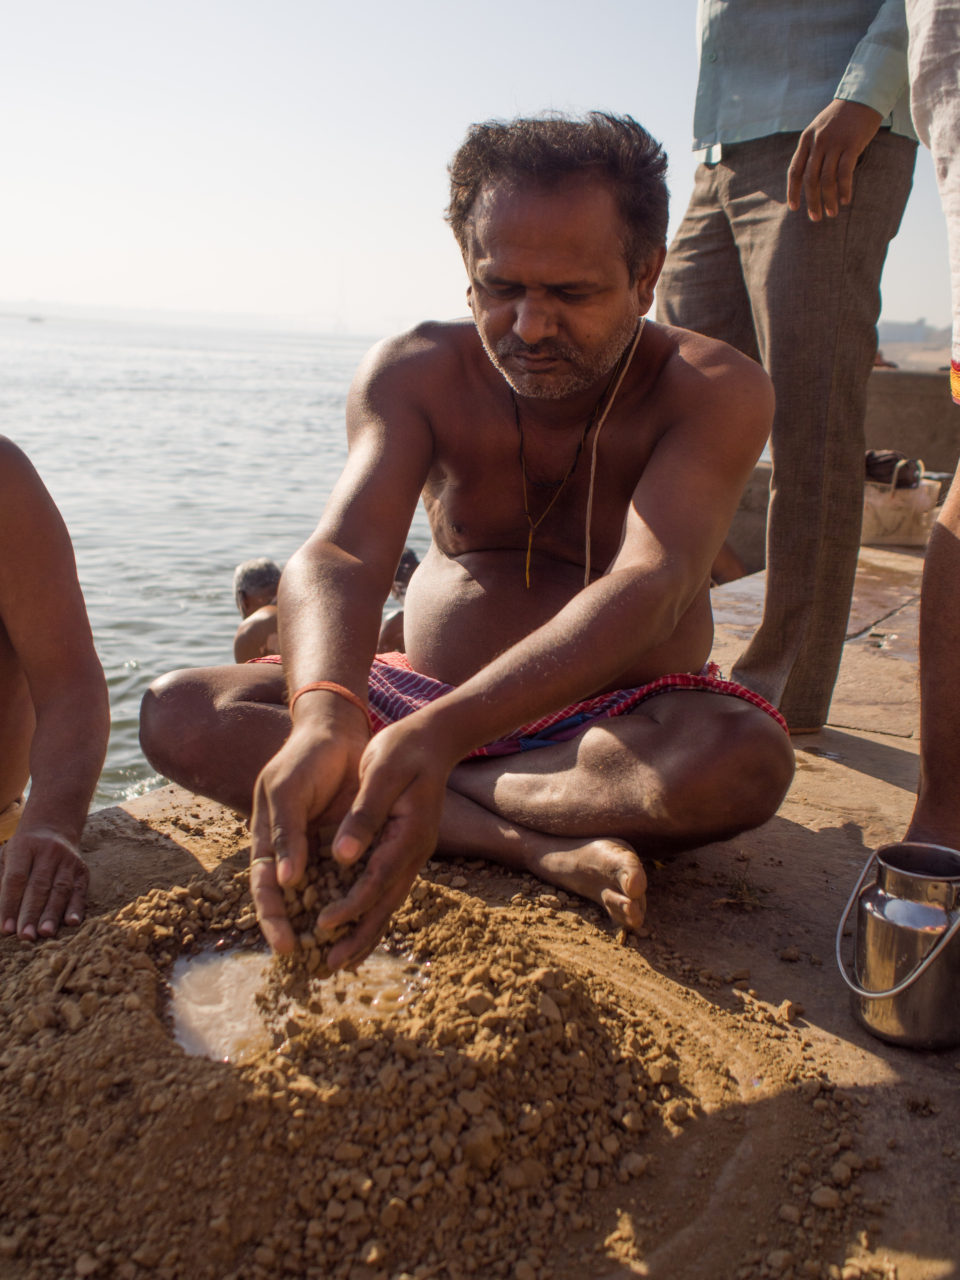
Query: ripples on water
x=173 y=453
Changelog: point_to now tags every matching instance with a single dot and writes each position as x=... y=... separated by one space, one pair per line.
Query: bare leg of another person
x=934 y=27
x=212 y=729
x=936 y=817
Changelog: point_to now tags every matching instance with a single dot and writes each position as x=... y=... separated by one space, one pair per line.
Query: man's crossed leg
x=683 y=769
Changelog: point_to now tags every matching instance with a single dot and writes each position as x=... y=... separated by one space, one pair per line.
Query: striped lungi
x=395 y=690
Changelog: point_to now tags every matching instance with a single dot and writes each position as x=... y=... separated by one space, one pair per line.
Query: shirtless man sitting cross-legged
x=579 y=471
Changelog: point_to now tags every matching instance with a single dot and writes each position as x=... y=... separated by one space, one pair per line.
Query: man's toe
x=622 y=910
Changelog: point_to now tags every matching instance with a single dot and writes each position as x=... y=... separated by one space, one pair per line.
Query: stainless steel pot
x=906 y=978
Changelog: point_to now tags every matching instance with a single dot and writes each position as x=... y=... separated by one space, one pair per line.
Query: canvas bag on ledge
x=900 y=511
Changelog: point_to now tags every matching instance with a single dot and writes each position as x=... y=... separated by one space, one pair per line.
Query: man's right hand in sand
x=391 y=817
x=311 y=781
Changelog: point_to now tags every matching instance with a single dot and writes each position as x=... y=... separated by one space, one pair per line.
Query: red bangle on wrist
x=330 y=686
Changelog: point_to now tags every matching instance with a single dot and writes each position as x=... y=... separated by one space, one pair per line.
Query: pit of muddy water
x=216 y=1013
x=476 y=1101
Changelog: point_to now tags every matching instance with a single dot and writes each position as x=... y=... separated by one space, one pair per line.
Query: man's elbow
x=79 y=690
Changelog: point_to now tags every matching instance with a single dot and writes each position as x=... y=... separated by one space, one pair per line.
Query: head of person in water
x=255 y=584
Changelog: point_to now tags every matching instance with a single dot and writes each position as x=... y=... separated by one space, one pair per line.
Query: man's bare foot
x=605 y=870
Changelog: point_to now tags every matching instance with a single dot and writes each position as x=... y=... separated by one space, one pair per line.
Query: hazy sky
x=288 y=157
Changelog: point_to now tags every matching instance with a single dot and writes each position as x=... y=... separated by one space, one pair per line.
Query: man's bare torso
x=468 y=600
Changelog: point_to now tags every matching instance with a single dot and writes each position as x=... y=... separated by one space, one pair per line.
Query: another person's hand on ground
x=43 y=882
x=54 y=710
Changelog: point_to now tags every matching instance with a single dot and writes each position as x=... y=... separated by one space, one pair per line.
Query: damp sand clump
x=467 y=1133
x=324 y=881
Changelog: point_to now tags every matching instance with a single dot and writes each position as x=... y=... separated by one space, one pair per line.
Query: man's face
x=550 y=291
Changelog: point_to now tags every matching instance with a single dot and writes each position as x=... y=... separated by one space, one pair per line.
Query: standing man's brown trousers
x=803 y=298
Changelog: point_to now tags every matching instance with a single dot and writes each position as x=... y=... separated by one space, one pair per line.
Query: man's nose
x=534 y=320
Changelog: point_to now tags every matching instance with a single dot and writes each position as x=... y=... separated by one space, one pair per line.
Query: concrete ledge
x=911 y=412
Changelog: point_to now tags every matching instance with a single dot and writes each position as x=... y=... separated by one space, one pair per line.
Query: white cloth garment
x=934 y=61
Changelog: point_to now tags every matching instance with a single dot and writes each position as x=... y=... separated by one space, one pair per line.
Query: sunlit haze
x=289 y=160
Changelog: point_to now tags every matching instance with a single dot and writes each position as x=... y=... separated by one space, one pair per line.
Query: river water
x=174 y=452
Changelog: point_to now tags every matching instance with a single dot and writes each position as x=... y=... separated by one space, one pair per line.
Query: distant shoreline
x=240 y=322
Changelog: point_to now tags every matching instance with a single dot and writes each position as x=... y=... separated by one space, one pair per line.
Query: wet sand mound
x=486 y=1108
x=520 y=1117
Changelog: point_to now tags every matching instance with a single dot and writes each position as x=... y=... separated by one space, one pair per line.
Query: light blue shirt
x=770 y=66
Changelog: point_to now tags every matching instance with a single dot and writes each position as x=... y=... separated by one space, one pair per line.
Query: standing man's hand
x=826 y=155
x=43 y=882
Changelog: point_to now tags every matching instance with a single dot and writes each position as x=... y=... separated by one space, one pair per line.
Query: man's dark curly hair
x=546 y=149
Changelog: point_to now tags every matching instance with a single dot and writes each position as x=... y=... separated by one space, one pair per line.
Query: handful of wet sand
x=324 y=881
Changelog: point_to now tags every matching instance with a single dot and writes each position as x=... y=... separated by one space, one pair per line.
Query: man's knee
x=727 y=763
x=760 y=763
x=169 y=713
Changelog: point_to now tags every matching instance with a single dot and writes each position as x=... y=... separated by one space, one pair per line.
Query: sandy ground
x=558 y=1102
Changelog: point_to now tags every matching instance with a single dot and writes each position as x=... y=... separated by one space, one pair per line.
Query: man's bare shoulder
x=257 y=635
x=713 y=391
x=414 y=375
x=38 y=576
x=698 y=366
x=22 y=492
x=14 y=463
x=434 y=345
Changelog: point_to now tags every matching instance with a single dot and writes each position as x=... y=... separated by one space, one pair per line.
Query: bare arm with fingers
x=349 y=563
x=60 y=722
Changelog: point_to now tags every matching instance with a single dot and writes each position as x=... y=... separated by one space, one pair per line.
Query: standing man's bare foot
x=605 y=870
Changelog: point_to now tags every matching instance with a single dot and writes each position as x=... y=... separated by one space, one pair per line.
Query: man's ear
x=647 y=278
x=470 y=296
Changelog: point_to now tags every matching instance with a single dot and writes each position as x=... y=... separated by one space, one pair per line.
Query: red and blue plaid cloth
x=395 y=690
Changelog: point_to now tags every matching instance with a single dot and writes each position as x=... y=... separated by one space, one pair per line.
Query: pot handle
x=914 y=973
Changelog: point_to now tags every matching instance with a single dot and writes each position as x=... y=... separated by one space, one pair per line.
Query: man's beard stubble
x=583 y=373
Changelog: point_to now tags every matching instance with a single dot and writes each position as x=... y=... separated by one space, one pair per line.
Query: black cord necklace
x=557 y=485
